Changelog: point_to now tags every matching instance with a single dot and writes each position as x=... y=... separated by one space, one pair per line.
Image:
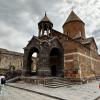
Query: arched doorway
x=32 y=61
x=56 y=62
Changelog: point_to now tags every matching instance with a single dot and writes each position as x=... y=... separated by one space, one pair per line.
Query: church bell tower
x=45 y=26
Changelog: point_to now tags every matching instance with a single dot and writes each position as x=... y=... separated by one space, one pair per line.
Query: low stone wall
x=10 y=74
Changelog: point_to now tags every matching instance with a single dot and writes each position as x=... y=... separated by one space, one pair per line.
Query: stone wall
x=9 y=58
x=80 y=61
x=74 y=29
x=85 y=62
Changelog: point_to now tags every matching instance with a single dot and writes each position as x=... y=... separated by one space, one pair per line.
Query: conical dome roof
x=45 y=19
x=73 y=17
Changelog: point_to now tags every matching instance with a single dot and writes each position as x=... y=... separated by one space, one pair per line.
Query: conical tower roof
x=45 y=19
x=72 y=17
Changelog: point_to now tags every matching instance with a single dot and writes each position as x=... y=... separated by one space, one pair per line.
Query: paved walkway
x=10 y=93
x=89 y=91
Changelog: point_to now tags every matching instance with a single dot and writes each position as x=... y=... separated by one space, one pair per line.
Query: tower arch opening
x=32 y=61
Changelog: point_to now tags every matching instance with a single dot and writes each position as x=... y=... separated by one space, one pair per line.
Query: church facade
x=69 y=54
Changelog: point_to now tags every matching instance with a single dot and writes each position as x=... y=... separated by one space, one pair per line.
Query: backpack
x=2 y=81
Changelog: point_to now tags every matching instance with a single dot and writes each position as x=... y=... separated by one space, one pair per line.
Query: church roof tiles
x=73 y=17
x=45 y=19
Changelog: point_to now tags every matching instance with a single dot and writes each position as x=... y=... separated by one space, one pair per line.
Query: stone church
x=69 y=54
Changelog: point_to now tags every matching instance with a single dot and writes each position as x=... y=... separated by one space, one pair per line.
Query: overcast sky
x=19 y=18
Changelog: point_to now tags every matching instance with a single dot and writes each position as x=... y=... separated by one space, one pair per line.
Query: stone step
x=64 y=80
x=57 y=82
x=56 y=85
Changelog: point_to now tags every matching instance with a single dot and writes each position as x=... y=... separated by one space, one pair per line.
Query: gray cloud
x=19 y=18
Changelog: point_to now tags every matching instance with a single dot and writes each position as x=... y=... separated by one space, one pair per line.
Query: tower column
x=39 y=32
x=42 y=29
x=47 y=31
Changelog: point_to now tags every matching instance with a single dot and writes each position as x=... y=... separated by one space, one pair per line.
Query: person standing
x=99 y=85
x=0 y=85
x=2 y=80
